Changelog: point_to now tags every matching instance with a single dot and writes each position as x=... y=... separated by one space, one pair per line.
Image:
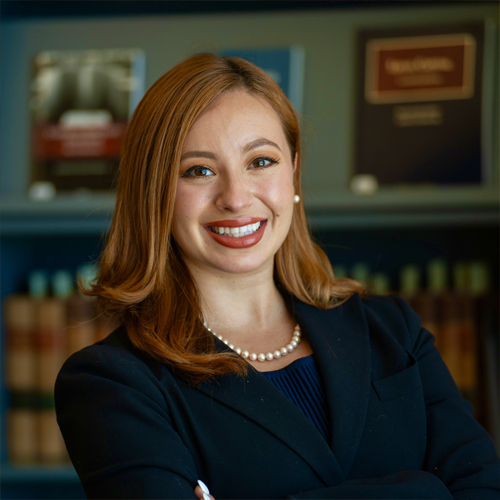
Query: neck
x=241 y=306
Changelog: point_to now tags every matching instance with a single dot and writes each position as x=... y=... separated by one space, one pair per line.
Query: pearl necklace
x=294 y=342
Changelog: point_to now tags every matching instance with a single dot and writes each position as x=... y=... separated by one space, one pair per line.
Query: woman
x=308 y=389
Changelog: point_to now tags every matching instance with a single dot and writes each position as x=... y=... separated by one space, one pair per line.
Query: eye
x=263 y=162
x=198 y=171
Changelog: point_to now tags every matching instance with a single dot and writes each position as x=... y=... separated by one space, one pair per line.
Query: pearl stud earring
x=296 y=198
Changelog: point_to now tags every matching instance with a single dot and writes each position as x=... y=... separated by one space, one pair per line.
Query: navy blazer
x=399 y=427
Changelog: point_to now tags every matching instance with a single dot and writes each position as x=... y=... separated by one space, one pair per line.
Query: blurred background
x=398 y=103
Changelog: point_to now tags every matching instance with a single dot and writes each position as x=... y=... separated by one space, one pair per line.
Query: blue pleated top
x=301 y=383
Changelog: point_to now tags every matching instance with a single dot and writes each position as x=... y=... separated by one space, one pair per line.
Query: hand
x=202 y=492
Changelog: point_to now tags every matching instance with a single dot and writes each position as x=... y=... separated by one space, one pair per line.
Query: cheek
x=190 y=207
x=187 y=202
x=280 y=194
x=184 y=211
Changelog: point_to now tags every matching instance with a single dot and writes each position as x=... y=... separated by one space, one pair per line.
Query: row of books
x=42 y=329
x=459 y=306
x=48 y=324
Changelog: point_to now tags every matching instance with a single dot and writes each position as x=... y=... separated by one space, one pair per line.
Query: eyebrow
x=198 y=154
x=245 y=149
x=257 y=143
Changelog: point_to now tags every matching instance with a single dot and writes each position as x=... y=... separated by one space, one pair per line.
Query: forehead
x=240 y=114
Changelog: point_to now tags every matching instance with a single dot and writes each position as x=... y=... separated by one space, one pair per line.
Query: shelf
x=394 y=208
x=71 y=205
x=403 y=206
x=405 y=198
x=374 y=220
x=61 y=216
x=10 y=474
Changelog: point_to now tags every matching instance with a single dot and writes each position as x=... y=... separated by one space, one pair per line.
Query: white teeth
x=237 y=232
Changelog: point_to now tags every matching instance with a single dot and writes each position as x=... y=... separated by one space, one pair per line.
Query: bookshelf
x=384 y=234
x=54 y=482
x=386 y=230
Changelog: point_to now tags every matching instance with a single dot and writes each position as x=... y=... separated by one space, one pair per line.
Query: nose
x=235 y=195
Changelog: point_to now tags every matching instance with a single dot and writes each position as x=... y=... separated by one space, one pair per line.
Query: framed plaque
x=424 y=106
x=420 y=68
x=80 y=103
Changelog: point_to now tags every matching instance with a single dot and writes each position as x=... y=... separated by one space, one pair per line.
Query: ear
x=295 y=163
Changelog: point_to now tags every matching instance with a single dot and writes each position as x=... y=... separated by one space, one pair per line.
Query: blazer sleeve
x=117 y=429
x=461 y=461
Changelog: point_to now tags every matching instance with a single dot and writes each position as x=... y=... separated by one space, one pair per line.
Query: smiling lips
x=237 y=233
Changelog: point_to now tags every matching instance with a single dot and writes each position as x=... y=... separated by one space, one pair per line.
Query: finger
x=203 y=487
x=205 y=490
x=202 y=496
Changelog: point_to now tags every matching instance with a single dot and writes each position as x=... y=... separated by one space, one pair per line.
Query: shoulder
x=389 y=313
x=112 y=362
x=115 y=350
x=393 y=312
x=389 y=326
x=378 y=321
x=394 y=326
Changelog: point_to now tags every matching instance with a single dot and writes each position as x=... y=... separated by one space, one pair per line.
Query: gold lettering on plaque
x=417 y=115
x=418 y=64
x=420 y=68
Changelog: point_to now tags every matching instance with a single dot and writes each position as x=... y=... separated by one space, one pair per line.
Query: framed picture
x=80 y=103
x=424 y=106
x=284 y=65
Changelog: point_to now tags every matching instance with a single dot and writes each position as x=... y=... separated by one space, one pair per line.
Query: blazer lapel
x=257 y=398
x=340 y=341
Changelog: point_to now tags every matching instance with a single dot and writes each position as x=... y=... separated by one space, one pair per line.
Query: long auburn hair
x=142 y=276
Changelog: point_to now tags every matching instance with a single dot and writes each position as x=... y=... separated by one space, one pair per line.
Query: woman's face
x=234 y=201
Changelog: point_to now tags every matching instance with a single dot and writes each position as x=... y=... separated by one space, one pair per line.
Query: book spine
x=22 y=433
x=494 y=373
x=468 y=344
x=20 y=373
x=450 y=343
x=486 y=307
x=82 y=328
x=425 y=305
x=51 y=355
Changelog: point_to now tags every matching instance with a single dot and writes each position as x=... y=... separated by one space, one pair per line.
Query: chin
x=239 y=266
